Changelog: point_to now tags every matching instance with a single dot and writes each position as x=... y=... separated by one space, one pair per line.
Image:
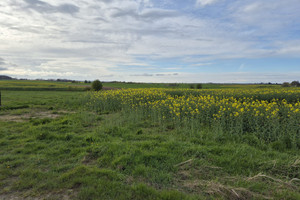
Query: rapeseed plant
x=269 y=113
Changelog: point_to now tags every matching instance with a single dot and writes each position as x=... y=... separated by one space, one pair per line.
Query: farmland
x=271 y=114
x=35 y=85
x=233 y=142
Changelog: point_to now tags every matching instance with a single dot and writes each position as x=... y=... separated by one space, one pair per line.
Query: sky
x=182 y=41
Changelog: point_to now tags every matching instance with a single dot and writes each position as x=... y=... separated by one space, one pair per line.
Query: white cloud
x=267 y=16
x=88 y=38
x=288 y=48
x=205 y=2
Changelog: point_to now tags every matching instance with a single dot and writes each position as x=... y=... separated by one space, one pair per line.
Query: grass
x=184 y=85
x=262 y=112
x=43 y=85
x=37 y=85
x=54 y=148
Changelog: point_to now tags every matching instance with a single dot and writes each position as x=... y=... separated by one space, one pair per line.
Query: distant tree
x=192 y=86
x=97 y=85
x=295 y=84
x=3 y=77
x=199 y=86
x=285 y=84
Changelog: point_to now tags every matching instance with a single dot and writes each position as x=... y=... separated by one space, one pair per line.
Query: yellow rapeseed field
x=270 y=113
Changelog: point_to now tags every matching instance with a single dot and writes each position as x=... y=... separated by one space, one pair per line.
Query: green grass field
x=184 y=85
x=34 y=85
x=40 y=85
x=53 y=146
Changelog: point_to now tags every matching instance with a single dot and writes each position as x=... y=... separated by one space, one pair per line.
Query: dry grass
x=275 y=180
x=202 y=180
x=31 y=115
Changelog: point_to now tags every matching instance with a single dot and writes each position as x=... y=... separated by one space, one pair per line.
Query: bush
x=97 y=85
x=192 y=86
x=295 y=84
x=199 y=86
x=285 y=84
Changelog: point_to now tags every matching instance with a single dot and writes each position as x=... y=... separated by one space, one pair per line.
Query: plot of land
x=63 y=146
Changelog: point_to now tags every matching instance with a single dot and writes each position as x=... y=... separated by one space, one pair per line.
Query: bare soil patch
x=32 y=115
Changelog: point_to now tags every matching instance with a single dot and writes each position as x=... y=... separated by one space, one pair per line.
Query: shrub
x=295 y=84
x=199 y=86
x=285 y=84
x=97 y=85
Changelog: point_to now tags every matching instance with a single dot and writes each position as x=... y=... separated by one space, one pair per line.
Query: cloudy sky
x=151 y=40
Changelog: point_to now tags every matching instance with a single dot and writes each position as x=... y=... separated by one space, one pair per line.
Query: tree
x=295 y=84
x=285 y=84
x=97 y=85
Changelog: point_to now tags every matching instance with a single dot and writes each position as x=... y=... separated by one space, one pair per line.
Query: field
x=28 y=85
x=42 y=85
x=234 y=142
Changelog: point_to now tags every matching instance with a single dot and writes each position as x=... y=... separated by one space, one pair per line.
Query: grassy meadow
x=43 y=85
x=161 y=141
